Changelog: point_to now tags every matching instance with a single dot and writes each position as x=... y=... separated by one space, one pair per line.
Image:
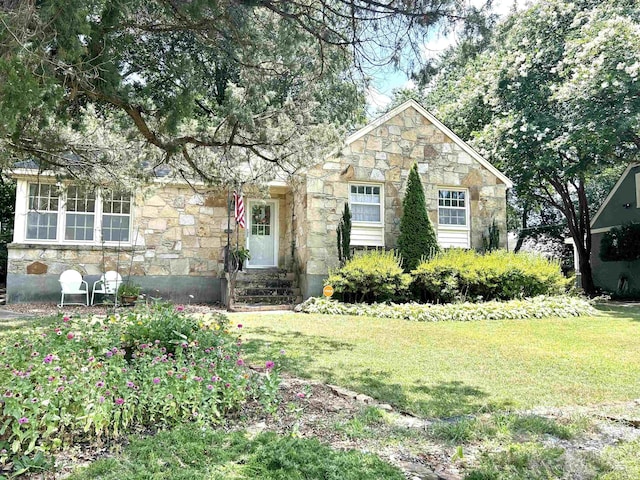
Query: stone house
x=171 y=239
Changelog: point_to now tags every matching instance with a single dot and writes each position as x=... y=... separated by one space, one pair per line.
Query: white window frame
x=380 y=205
x=367 y=233
x=467 y=209
x=22 y=212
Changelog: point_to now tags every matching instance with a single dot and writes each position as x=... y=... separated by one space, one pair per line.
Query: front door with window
x=262 y=233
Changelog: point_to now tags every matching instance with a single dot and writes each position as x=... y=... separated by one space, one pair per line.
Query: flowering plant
x=81 y=379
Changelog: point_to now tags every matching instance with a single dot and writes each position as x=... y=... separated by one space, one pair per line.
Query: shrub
x=344 y=236
x=417 y=239
x=83 y=379
x=372 y=276
x=465 y=274
x=538 y=307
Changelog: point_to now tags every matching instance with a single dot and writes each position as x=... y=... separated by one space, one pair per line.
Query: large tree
x=554 y=100
x=105 y=86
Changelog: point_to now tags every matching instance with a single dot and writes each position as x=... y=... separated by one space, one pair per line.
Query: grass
x=192 y=454
x=457 y=368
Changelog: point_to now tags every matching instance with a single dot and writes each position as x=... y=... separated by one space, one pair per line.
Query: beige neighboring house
x=171 y=239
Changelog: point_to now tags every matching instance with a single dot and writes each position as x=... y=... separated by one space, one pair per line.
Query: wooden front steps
x=265 y=290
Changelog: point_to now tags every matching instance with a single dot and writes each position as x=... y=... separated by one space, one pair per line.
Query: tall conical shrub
x=417 y=238
x=344 y=236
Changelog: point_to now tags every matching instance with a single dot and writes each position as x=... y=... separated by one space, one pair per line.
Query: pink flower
x=239 y=325
x=269 y=365
x=100 y=399
x=70 y=336
x=100 y=384
x=156 y=380
x=23 y=420
x=209 y=387
x=108 y=354
x=130 y=384
x=180 y=308
x=65 y=319
x=300 y=395
x=240 y=362
x=119 y=401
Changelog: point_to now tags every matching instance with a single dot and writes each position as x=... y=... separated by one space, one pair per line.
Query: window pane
x=41 y=226
x=365 y=213
x=115 y=228
x=79 y=227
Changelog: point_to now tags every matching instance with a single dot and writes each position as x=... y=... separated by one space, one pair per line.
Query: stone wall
x=178 y=253
x=385 y=155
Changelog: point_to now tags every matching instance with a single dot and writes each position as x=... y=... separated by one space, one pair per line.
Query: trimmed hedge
x=372 y=276
x=538 y=307
x=456 y=275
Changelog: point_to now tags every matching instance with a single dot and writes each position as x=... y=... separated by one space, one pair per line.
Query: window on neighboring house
x=452 y=207
x=85 y=215
x=365 y=202
x=42 y=218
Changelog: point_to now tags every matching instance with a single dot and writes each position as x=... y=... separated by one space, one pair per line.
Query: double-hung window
x=453 y=218
x=452 y=207
x=76 y=214
x=366 y=202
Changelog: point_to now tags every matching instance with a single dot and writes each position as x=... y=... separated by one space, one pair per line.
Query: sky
x=385 y=79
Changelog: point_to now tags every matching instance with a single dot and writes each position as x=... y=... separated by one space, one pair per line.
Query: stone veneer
x=178 y=253
x=385 y=155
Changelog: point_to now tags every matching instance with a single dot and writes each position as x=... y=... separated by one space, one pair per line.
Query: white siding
x=453 y=238
x=367 y=235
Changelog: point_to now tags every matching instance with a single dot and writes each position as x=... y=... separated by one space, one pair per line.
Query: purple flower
x=119 y=401
x=23 y=420
x=100 y=384
x=180 y=308
x=282 y=352
x=209 y=387
x=100 y=399
x=239 y=325
x=130 y=384
x=269 y=365
x=109 y=354
x=240 y=362
x=48 y=359
x=156 y=380
x=300 y=395
x=214 y=378
x=60 y=389
x=197 y=379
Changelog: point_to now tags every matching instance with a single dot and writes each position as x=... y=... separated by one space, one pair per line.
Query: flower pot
x=128 y=299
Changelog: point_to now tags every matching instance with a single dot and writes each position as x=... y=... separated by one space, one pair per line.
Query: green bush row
x=453 y=275
x=537 y=307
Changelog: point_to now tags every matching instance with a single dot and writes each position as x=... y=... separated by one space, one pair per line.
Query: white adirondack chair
x=107 y=285
x=71 y=283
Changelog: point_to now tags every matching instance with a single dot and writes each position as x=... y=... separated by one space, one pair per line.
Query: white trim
x=438 y=124
x=368 y=234
x=638 y=190
x=467 y=208
x=613 y=191
x=22 y=210
x=275 y=224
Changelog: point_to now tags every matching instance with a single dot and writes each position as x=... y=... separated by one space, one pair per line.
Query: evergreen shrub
x=417 y=239
x=372 y=276
x=499 y=275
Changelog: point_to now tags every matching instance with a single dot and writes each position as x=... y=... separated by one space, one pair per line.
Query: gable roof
x=439 y=125
x=613 y=191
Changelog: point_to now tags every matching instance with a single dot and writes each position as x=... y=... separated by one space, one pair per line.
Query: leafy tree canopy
x=554 y=100
x=101 y=87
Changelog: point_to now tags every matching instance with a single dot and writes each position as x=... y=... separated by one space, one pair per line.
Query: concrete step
x=258 y=307
x=264 y=283
x=250 y=291
x=265 y=274
x=269 y=299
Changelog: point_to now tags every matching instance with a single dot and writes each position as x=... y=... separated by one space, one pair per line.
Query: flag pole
x=226 y=259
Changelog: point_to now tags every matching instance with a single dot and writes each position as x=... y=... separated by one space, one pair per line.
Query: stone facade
x=177 y=251
x=384 y=156
x=179 y=235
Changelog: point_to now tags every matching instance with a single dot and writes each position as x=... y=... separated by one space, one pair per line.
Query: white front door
x=262 y=233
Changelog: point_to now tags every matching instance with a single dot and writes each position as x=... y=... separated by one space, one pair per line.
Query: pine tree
x=417 y=238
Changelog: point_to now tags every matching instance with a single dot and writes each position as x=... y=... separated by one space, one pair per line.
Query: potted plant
x=240 y=254
x=128 y=292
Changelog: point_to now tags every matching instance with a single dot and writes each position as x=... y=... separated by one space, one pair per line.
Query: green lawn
x=453 y=368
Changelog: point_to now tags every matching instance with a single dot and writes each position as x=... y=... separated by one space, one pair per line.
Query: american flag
x=239 y=211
